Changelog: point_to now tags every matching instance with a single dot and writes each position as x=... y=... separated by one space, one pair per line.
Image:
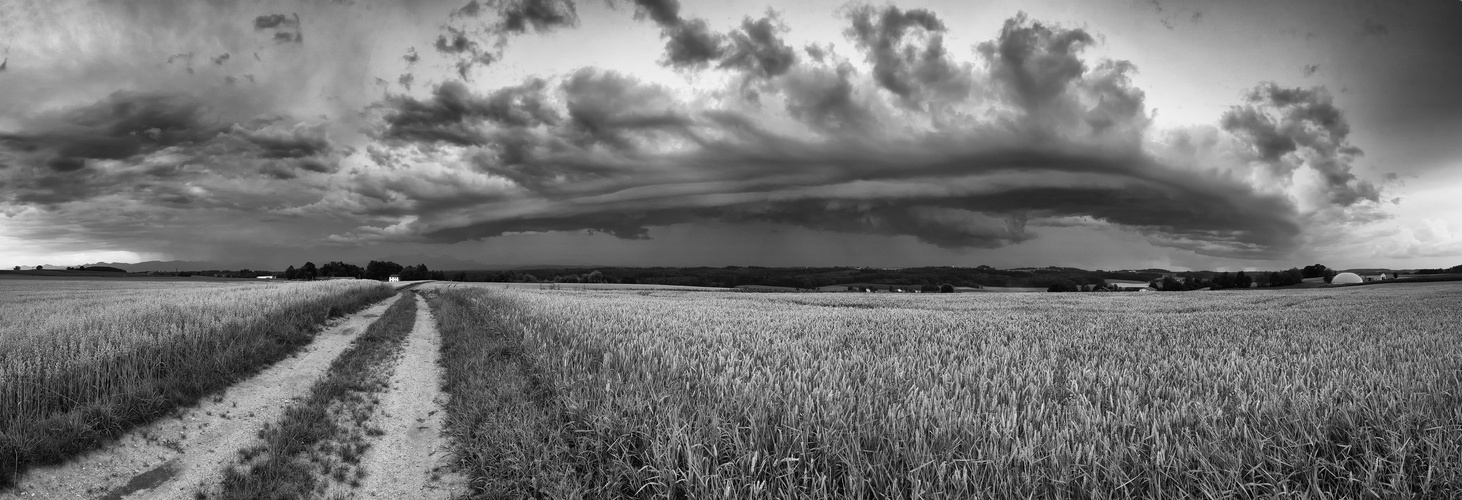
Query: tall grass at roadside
x=323 y=436
x=502 y=415
x=83 y=361
x=1319 y=393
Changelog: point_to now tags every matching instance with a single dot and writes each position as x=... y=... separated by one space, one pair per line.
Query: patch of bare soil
x=412 y=459
x=173 y=457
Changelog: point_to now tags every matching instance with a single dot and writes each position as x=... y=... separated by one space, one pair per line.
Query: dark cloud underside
x=896 y=132
x=597 y=163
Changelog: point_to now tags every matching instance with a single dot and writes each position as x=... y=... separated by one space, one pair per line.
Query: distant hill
x=433 y=262
x=166 y=266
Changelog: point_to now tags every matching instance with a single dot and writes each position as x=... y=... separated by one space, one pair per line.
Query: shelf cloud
x=448 y=123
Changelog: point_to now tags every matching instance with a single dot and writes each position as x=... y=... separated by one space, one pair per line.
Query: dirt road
x=411 y=460
x=172 y=457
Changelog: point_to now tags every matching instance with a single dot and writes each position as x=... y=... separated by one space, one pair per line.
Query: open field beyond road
x=83 y=362
x=1345 y=392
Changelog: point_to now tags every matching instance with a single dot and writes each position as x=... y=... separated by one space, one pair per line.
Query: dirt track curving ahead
x=172 y=457
x=412 y=459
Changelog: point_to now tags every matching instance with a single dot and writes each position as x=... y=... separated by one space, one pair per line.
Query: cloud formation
x=913 y=148
x=287 y=28
x=757 y=49
x=513 y=17
x=893 y=132
x=130 y=141
x=1292 y=128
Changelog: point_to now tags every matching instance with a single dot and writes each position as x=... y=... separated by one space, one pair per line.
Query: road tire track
x=412 y=459
x=172 y=457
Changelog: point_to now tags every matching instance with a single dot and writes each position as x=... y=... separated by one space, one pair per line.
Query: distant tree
x=1064 y=285
x=415 y=273
x=1242 y=280
x=38 y=268
x=1313 y=271
x=308 y=272
x=289 y=273
x=17 y=268
x=1291 y=276
x=380 y=270
x=336 y=269
x=594 y=277
x=1225 y=280
x=1171 y=284
x=946 y=288
x=1330 y=275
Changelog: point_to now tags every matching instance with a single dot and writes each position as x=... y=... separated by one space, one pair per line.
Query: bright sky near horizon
x=1096 y=134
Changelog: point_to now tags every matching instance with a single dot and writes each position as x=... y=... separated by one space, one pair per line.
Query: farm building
x=264 y=277
x=393 y=277
x=1346 y=279
x=1375 y=277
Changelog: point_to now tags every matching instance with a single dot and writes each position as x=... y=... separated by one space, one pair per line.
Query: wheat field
x=82 y=361
x=1318 y=393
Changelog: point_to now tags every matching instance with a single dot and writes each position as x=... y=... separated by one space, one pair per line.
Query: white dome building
x=1345 y=279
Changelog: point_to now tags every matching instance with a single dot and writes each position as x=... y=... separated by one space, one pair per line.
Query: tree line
x=375 y=270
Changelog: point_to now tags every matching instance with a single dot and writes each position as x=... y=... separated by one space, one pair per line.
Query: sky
x=1114 y=134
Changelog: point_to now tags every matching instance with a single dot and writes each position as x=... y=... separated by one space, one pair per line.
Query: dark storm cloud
x=455 y=42
x=299 y=142
x=866 y=195
x=220 y=59
x=468 y=53
x=472 y=9
x=514 y=17
x=123 y=125
x=825 y=100
x=628 y=157
x=541 y=15
x=689 y=43
x=665 y=13
x=1310 y=69
x=3 y=63
x=900 y=64
x=517 y=16
x=1293 y=127
x=453 y=115
x=411 y=57
x=757 y=48
x=1035 y=63
x=127 y=140
x=288 y=28
x=271 y=21
x=692 y=44
x=66 y=164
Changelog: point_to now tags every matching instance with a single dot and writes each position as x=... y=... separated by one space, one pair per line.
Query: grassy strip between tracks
x=320 y=440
